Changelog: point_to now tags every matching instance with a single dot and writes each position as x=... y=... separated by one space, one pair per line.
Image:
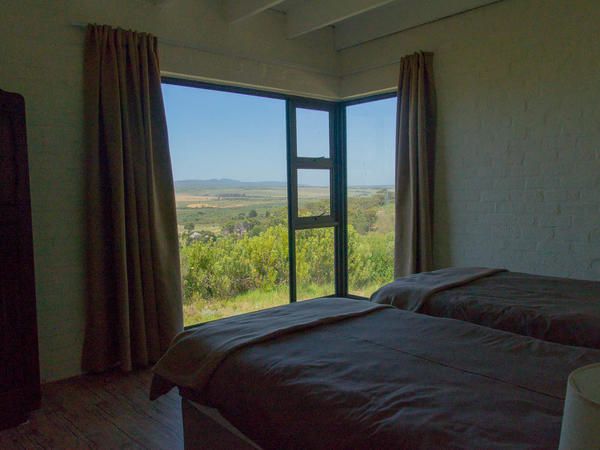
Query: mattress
x=372 y=379
x=559 y=310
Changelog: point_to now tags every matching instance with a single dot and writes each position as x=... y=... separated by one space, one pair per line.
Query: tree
x=252 y=213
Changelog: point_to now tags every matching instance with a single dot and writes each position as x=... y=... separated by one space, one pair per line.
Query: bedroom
x=517 y=162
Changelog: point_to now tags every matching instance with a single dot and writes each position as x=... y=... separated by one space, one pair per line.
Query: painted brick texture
x=519 y=158
x=518 y=162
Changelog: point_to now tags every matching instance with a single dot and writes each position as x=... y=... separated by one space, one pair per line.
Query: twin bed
x=340 y=373
x=553 y=309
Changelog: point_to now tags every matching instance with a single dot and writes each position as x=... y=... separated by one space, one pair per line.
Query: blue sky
x=215 y=134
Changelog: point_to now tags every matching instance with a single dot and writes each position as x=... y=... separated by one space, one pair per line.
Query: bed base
x=205 y=428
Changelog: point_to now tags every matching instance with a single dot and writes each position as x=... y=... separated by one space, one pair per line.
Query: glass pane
x=312 y=133
x=228 y=154
x=371 y=131
x=314 y=198
x=314 y=263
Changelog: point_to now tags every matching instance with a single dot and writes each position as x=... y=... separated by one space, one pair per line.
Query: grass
x=206 y=310
x=364 y=291
x=202 y=310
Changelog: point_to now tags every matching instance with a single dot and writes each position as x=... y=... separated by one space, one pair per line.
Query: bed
x=350 y=374
x=559 y=310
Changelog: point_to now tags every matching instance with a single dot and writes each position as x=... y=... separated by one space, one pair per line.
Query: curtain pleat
x=134 y=304
x=415 y=152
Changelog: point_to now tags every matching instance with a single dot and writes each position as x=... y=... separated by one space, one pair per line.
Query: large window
x=229 y=166
x=261 y=198
x=370 y=141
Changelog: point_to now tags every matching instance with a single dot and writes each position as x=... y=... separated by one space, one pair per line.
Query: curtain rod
x=212 y=51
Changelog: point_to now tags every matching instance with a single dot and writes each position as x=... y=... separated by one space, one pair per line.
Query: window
x=315 y=253
x=228 y=154
x=264 y=213
x=315 y=219
x=312 y=131
x=370 y=143
x=314 y=193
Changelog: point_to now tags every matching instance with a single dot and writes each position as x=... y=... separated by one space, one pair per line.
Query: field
x=233 y=244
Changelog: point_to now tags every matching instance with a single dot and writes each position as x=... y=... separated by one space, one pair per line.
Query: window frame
x=336 y=164
x=296 y=163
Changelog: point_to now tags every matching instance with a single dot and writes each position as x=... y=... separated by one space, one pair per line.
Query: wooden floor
x=100 y=411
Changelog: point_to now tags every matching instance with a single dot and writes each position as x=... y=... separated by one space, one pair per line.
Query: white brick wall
x=518 y=169
x=42 y=61
x=520 y=126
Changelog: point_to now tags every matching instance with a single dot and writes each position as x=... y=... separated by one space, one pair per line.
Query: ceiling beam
x=398 y=16
x=312 y=15
x=236 y=10
x=158 y=2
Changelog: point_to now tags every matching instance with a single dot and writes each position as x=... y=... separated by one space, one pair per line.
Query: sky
x=216 y=134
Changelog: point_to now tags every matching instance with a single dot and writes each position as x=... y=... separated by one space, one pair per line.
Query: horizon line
x=284 y=182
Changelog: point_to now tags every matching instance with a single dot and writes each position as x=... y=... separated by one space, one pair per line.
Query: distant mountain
x=213 y=183
x=228 y=183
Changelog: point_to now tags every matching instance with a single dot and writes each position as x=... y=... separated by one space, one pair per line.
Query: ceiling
x=354 y=21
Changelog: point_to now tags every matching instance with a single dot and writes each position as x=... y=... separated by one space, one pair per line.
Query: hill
x=224 y=183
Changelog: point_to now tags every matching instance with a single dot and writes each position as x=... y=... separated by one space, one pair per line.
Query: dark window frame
x=336 y=163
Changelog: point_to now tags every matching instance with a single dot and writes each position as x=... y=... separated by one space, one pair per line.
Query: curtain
x=415 y=148
x=134 y=304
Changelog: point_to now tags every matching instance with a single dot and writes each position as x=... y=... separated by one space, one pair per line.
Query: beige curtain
x=134 y=290
x=415 y=148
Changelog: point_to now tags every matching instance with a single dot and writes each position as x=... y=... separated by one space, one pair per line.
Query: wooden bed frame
x=205 y=428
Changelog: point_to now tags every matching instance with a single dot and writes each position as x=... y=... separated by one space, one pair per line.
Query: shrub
x=231 y=265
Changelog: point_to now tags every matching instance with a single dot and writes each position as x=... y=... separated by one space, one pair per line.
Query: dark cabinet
x=19 y=362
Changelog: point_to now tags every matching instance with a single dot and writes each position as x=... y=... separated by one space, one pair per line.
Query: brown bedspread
x=394 y=379
x=559 y=310
x=196 y=353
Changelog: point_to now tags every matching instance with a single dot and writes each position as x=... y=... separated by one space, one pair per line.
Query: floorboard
x=109 y=411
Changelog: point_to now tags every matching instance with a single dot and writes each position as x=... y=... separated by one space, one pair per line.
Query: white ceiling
x=285 y=6
x=354 y=21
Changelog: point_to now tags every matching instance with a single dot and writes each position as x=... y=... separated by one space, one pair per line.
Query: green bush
x=231 y=265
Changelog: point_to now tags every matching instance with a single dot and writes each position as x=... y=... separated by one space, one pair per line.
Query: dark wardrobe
x=19 y=365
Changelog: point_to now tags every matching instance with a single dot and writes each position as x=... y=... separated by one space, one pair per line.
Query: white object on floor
x=581 y=416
